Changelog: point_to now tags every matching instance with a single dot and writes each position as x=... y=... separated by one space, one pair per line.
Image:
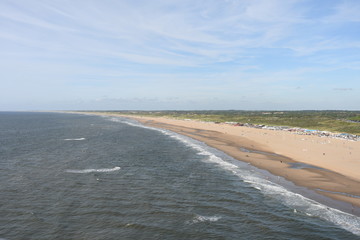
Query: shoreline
x=320 y=179
x=329 y=168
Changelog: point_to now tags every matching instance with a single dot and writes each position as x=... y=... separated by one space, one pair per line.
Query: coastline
x=329 y=167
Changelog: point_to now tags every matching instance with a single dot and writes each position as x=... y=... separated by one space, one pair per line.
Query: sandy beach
x=328 y=166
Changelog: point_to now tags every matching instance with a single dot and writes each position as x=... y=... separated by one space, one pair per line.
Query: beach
x=328 y=166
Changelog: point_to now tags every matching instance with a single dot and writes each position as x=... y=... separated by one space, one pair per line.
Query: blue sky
x=180 y=54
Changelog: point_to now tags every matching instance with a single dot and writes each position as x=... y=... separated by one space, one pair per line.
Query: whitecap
x=247 y=181
x=90 y=170
x=199 y=218
x=74 y=139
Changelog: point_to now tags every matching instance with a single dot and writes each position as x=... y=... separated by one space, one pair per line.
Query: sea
x=73 y=176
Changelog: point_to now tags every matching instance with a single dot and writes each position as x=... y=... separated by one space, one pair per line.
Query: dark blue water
x=67 y=176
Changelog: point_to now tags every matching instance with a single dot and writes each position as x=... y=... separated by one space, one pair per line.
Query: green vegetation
x=356 y=119
x=333 y=121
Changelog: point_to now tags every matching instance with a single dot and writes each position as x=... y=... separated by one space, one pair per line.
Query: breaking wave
x=74 y=139
x=90 y=170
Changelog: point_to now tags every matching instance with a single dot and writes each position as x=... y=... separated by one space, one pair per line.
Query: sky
x=179 y=55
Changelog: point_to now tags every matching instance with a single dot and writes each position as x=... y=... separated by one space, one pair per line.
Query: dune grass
x=333 y=121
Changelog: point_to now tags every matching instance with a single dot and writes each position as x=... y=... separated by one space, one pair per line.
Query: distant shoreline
x=341 y=124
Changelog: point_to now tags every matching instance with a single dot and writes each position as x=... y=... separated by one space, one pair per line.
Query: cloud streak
x=142 y=33
x=209 y=43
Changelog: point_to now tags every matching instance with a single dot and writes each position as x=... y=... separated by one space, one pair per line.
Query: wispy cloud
x=203 y=32
x=213 y=44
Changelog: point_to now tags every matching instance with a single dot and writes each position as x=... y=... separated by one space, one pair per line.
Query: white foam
x=247 y=181
x=74 y=139
x=305 y=205
x=199 y=218
x=90 y=170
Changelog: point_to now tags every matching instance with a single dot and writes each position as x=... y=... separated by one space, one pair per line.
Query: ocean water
x=68 y=176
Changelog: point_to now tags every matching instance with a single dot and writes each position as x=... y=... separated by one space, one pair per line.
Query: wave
x=254 y=178
x=90 y=170
x=74 y=139
x=199 y=218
